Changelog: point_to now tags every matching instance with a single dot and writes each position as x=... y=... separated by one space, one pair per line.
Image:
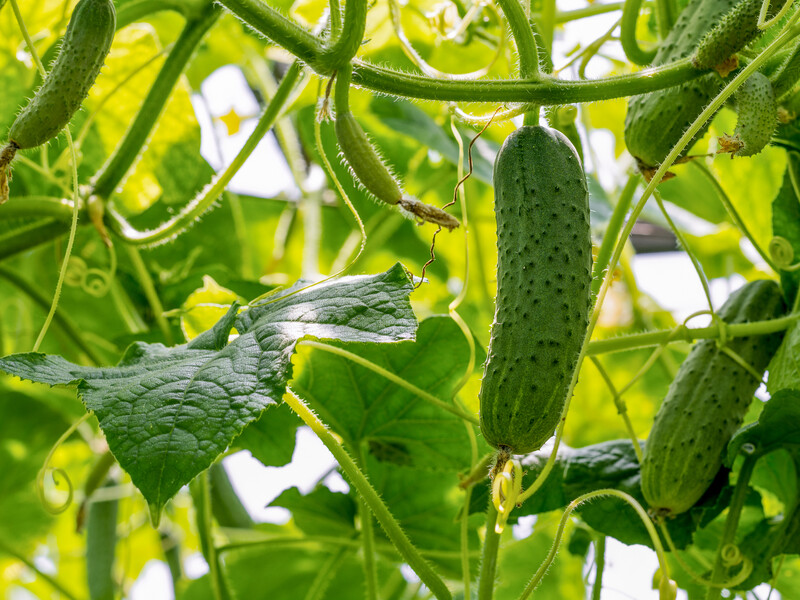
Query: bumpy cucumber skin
x=543 y=277
x=736 y=29
x=757 y=111
x=364 y=161
x=655 y=121
x=706 y=404
x=84 y=48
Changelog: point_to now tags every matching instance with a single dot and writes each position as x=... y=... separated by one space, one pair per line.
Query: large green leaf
x=398 y=426
x=169 y=412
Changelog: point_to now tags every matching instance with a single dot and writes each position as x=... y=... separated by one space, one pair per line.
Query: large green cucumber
x=543 y=277
x=706 y=403
x=734 y=31
x=84 y=48
x=656 y=121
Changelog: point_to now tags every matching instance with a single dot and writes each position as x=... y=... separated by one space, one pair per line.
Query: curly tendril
x=782 y=254
x=506 y=488
x=56 y=509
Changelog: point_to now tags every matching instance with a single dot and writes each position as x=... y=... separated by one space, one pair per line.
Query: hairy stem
x=630 y=45
x=491 y=545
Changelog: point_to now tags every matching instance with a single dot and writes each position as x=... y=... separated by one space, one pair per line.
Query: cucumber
x=706 y=404
x=734 y=31
x=757 y=112
x=656 y=121
x=85 y=46
x=544 y=259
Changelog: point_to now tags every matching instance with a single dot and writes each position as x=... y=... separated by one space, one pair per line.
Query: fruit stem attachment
x=392 y=528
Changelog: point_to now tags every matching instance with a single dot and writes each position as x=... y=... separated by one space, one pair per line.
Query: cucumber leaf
x=168 y=413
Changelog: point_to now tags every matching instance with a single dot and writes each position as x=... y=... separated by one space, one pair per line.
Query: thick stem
x=611 y=234
x=630 y=45
x=392 y=528
x=666 y=13
x=347 y=43
x=120 y=162
x=491 y=545
x=689 y=334
x=523 y=36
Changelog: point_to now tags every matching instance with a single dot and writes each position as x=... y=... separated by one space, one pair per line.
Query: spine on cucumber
x=85 y=46
x=706 y=404
x=734 y=31
x=656 y=121
x=543 y=278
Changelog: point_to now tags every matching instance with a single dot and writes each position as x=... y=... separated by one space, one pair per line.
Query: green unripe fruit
x=544 y=259
x=735 y=30
x=757 y=112
x=656 y=121
x=83 y=50
x=364 y=161
x=706 y=404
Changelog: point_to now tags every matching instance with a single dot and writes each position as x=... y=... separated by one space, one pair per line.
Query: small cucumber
x=83 y=50
x=544 y=259
x=757 y=112
x=706 y=404
x=656 y=121
x=367 y=166
x=85 y=46
x=734 y=31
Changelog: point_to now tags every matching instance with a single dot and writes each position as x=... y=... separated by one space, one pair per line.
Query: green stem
x=690 y=253
x=689 y=334
x=588 y=11
x=391 y=377
x=205 y=532
x=611 y=234
x=392 y=528
x=666 y=13
x=627 y=36
x=491 y=544
x=600 y=565
x=70 y=241
x=130 y=12
x=29 y=236
x=37 y=206
x=201 y=203
x=367 y=539
x=347 y=43
x=325 y=575
x=225 y=503
x=547 y=23
x=651 y=530
x=124 y=156
x=61 y=320
x=149 y=289
x=733 y=213
x=544 y=91
x=523 y=36
x=54 y=583
x=732 y=521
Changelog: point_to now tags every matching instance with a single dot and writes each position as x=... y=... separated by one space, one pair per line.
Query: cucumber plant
x=543 y=277
x=574 y=348
x=83 y=51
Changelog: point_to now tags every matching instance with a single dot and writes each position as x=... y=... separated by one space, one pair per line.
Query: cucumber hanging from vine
x=368 y=167
x=84 y=48
x=757 y=117
x=706 y=404
x=734 y=31
x=656 y=121
x=543 y=277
